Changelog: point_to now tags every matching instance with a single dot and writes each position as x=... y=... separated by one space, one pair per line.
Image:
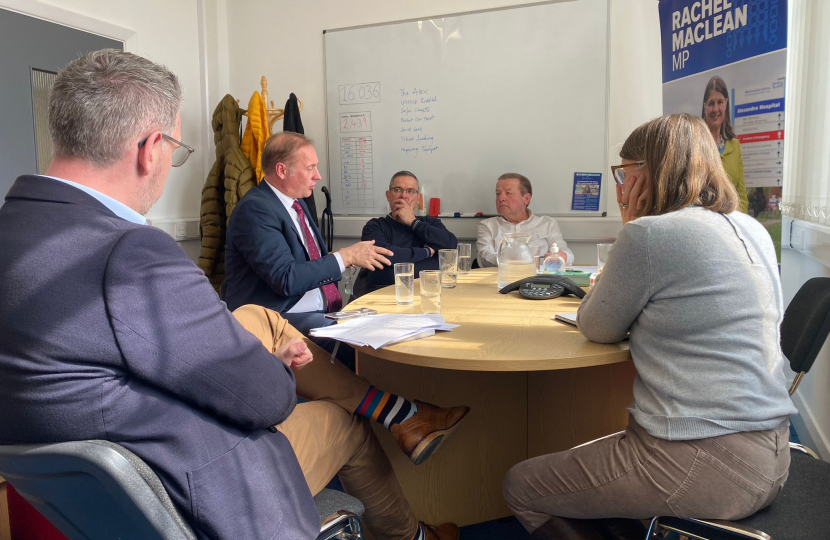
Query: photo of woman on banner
x=716 y=114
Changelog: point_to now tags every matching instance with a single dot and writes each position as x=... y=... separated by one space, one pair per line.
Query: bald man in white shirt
x=513 y=194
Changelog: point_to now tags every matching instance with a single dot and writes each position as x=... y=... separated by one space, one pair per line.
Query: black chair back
x=806 y=324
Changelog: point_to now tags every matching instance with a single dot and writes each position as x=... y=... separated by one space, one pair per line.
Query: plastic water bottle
x=554 y=263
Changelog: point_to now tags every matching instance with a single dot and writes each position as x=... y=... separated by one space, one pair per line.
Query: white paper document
x=567 y=318
x=378 y=331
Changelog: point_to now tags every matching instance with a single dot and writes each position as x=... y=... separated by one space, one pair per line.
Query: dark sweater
x=407 y=243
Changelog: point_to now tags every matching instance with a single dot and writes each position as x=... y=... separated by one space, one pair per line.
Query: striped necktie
x=333 y=299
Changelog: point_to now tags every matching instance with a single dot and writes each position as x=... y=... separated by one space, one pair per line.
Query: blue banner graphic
x=760 y=107
x=702 y=35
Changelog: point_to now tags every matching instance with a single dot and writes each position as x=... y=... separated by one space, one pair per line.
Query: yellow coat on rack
x=256 y=133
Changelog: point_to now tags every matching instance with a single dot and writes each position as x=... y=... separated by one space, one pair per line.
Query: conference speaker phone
x=544 y=287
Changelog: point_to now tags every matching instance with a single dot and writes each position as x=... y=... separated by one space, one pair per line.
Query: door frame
x=64 y=17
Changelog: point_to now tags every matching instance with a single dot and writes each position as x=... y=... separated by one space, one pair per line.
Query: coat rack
x=274 y=114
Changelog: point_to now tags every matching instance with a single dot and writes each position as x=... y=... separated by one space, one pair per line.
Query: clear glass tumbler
x=430 y=283
x=448 y=264
x=602 y=255
x=404 y=283
x=465 y=258
x=349 y=278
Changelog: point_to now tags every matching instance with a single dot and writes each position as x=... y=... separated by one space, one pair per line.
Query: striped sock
x=385 y=409
x=420 y=534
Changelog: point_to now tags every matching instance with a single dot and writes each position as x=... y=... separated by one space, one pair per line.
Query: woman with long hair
x=716 y=114
x=694 y=284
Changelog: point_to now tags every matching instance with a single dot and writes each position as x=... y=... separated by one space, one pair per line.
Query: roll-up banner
x=725 y=60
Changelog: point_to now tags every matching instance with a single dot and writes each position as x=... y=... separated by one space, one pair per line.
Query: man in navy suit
x=108 y=331
x=275 y=256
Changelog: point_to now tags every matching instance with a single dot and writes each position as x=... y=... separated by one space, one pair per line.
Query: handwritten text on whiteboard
x=359 y=93
x=355 y=121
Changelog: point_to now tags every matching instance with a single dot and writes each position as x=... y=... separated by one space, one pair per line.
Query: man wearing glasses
x=108 y=331
x=411 y=239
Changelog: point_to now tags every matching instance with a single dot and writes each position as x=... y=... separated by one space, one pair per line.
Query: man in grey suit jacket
x=108 y=331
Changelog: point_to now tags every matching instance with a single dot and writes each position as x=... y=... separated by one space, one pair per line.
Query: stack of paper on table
x=378 y=331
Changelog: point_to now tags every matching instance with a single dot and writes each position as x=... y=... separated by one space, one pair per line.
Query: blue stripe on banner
x=759 y=107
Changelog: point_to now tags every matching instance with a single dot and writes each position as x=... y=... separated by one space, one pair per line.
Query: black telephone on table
x=544 y=287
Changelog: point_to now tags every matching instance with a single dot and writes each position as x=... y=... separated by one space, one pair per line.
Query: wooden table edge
x=474 y=364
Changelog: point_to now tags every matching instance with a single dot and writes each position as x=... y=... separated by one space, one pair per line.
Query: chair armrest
x=804 y=450
x=710 y=529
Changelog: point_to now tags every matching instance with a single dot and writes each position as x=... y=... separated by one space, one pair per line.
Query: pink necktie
x=333 y=299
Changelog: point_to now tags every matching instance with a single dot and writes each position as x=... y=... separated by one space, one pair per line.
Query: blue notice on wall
x=586 y=191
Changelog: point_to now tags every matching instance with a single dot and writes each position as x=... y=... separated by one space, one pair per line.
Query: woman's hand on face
x=632 y=196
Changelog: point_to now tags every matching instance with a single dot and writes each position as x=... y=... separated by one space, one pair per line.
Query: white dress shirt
x=544 y=231
x=313 y=300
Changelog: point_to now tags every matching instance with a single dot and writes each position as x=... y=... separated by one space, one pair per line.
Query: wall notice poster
x=586 y=191
x=726 y=60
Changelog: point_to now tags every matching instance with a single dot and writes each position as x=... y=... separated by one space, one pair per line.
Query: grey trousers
x=635 y=475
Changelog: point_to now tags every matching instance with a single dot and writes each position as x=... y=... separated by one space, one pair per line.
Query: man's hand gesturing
x=365 y=255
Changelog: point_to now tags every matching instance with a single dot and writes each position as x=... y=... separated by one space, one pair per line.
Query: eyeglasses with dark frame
x=180 y=153
x=409 y=191
x=618 y=171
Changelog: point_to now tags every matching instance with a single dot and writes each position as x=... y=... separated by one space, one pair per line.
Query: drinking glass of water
x=404 y=283
x=465 y=259
x=430 y=281
x=448 y=263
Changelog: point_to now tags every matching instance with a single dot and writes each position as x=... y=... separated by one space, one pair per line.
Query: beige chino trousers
x=328 y=438
x=635 y=475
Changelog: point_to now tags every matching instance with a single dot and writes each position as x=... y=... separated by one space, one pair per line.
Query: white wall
x=284 y=41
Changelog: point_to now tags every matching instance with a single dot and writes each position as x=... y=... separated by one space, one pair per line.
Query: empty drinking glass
x=602 y=255
x=537 y=251
x=404 y=283
x=349 y=278
x=430 y=283
x=448 y=263
x=465 y=259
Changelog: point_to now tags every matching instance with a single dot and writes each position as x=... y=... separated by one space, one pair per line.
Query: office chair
x=98 y=490
x=801 y=509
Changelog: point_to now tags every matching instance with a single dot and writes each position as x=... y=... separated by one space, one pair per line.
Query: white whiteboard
x=460 y=100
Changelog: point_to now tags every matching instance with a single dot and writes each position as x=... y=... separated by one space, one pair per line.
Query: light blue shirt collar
x=118 y=208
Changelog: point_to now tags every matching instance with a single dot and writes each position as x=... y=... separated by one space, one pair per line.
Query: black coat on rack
x=292 y=122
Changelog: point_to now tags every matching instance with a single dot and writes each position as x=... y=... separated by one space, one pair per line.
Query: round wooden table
x=535 y=386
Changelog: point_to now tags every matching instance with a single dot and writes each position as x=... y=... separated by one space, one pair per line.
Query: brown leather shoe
x=445 y=531
x=429 y=428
